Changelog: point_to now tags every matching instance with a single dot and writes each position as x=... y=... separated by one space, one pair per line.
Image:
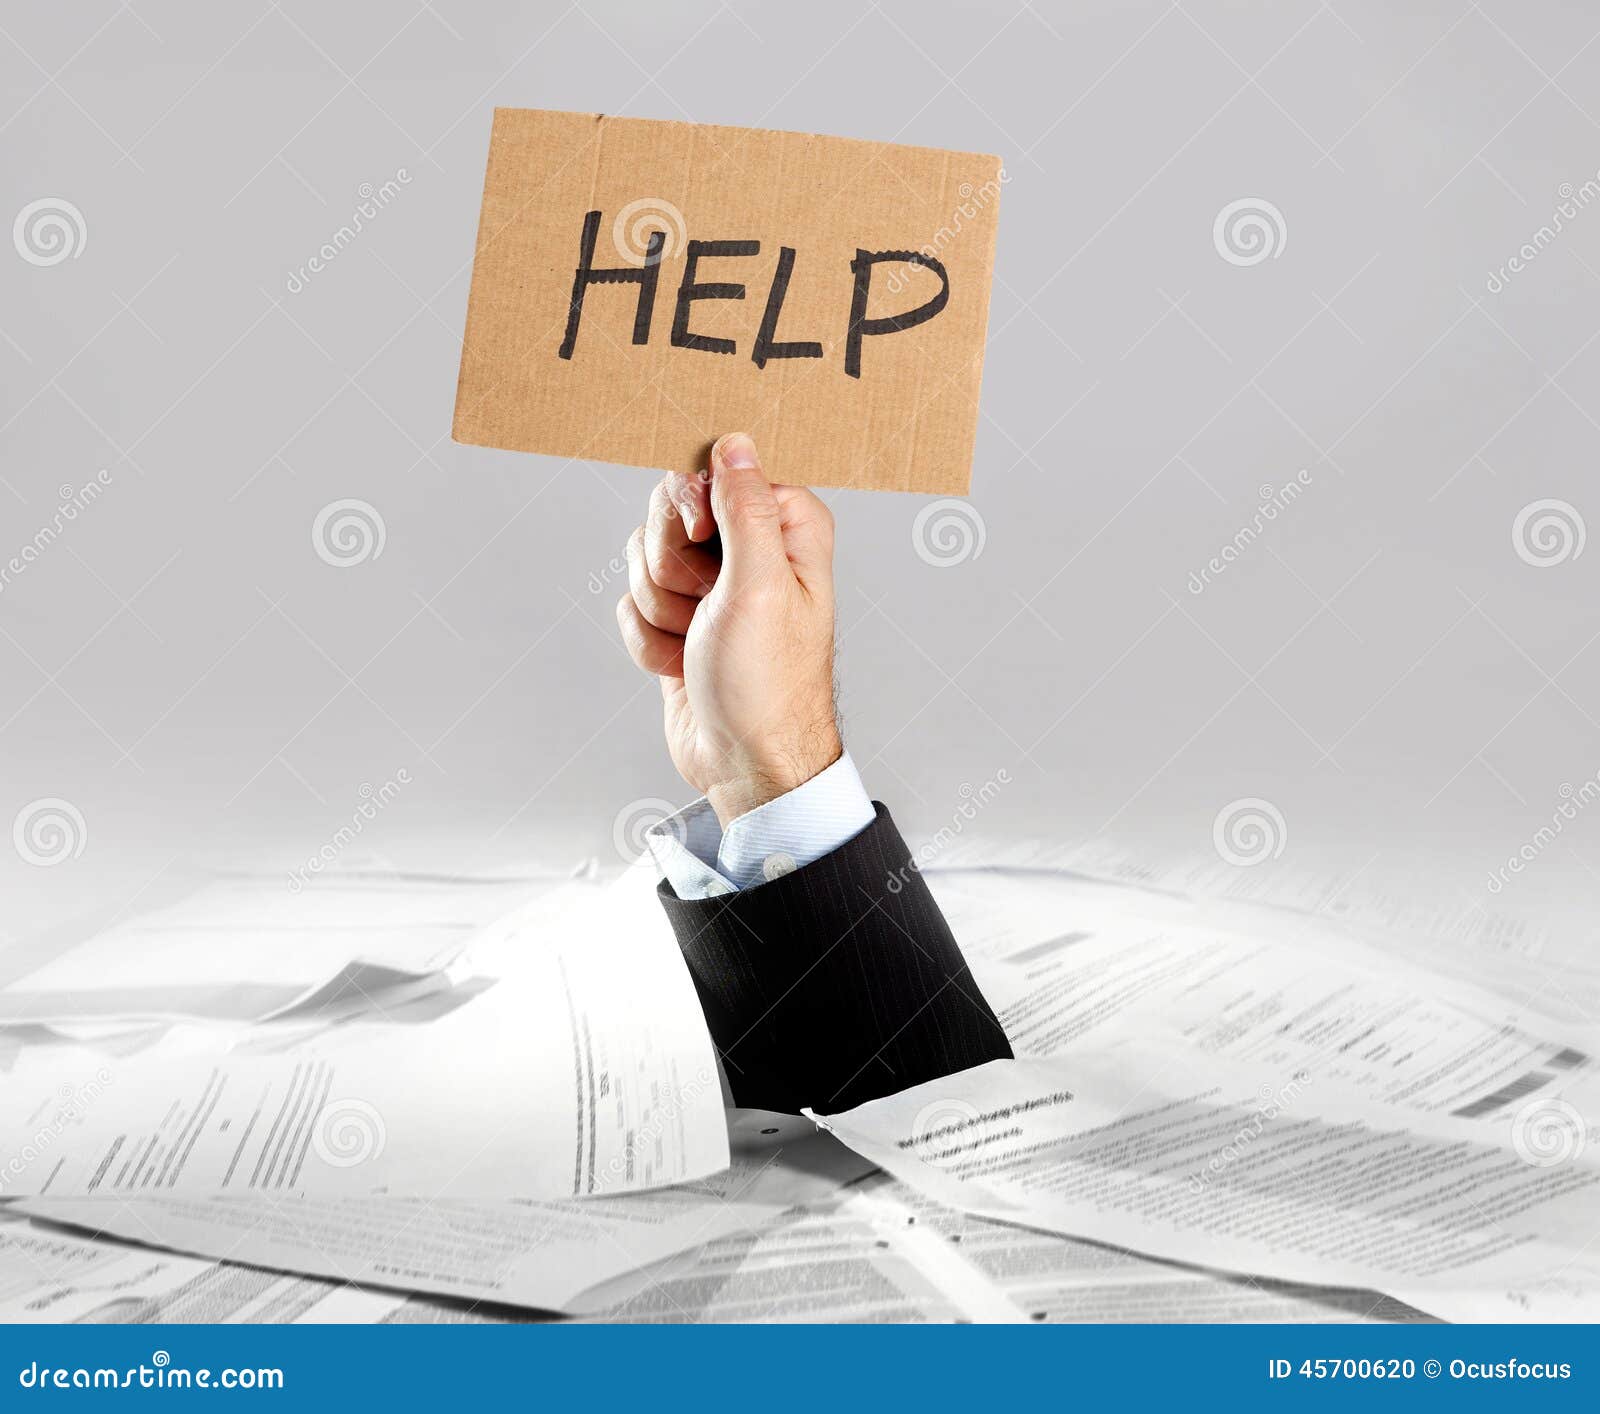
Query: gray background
x=1381 y=665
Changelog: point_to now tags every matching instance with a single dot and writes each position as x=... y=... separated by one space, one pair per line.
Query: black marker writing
x=689 y=291
x=765 y=346
x=587 y=275
x=861 y=326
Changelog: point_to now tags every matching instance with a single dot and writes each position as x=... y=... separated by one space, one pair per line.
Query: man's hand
x=742 y=641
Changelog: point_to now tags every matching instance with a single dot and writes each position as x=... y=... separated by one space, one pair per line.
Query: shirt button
x=777 y=864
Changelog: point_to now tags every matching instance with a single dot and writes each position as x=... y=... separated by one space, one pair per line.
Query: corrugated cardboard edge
x=992 y=234
x=459 y=433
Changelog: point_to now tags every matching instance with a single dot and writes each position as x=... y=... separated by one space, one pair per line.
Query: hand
x=742 y=640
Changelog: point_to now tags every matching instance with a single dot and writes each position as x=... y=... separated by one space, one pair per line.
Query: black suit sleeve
x=836 y=983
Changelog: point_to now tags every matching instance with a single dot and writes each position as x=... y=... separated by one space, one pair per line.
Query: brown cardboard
x=905 y=422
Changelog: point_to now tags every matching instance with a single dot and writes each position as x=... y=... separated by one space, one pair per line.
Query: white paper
x=875 y=1252
x=1047 y=1278
x=1545 y=967
x=840 y=1261
x=246 y=949
x=1212 y=1165
x=48 y=1275
x=1378 y=1027
x=582 y=1069
x=883 y=1252
x=537 y=1254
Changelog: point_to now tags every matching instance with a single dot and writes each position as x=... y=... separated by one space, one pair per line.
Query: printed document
x=583 y=1068
x=1238 y=1169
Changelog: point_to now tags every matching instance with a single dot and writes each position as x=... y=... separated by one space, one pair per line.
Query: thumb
x=749 y=518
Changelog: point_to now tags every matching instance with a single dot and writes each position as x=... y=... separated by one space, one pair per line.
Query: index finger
x=675 y=562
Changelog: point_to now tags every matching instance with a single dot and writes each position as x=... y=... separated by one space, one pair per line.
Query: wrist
x=757 y=778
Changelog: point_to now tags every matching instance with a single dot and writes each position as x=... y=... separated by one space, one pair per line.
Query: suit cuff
x=700 y=860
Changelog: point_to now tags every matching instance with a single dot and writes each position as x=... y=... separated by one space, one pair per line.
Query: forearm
x=835 y=983
x=827 y=973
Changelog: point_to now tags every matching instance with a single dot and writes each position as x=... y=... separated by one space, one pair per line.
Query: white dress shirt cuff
x=700 y=860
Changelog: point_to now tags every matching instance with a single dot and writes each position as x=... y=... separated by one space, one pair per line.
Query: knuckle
x=652 y=567
x=638 y=573
x=750 y=503
x=758 y=599
x=671 y=570
x=656 y=565
x=661 y=513
x=652 y=603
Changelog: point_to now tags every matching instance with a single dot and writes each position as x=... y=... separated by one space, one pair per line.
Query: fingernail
x=678 y=496
x=738 y=452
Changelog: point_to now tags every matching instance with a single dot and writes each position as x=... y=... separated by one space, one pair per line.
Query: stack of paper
x=530 y=1108
x=479 y=1099
x=249 y=949
x=550 y=1061
x=542 y=1254
x=1270 y=1108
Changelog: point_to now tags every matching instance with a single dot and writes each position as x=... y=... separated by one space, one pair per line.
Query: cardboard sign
x=640 y=288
